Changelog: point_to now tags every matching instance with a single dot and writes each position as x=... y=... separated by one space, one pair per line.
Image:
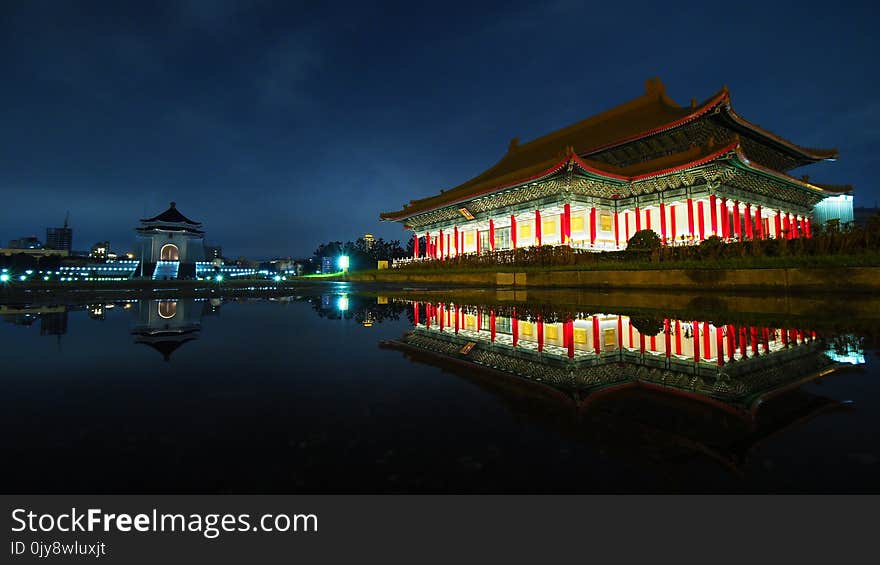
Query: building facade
x=170 y=245
x=687 y=173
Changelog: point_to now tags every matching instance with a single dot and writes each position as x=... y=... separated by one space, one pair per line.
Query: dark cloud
x=281 y=125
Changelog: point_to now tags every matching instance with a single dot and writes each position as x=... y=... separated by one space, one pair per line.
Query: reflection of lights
x=342 y=303
x=4 y=277
x=22 y=278
x=219 y=278
x=277 y=278
x=343 y=262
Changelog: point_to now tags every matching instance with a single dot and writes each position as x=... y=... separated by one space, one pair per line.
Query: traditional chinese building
x=686 y=173
x=170 y=245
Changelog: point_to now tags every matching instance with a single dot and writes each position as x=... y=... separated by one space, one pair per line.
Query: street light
x=343 y=263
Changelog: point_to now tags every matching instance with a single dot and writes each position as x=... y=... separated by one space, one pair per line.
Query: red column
x=415 y=313
x=713 y=215
x=691 y=217
x=696 y=342
x=492 y=324
x=648 y=219
x=737 y=225
x=667 y=334
x=448 y=246
x=719 y=345
x=415 y=246
x=540 y=324
x=799 y=224
x=808 y=229
x=786 y=226
x=441 y=244
x=663 y=223
x=750 y=234
x=477 y=235
x=492 y=235
x=457 y=250
x=725 y=220
x=514 y=327
x=616 y=229
x=638 y=219
x=759 y=223
x=626 y=222
x=566 y=235
x=701 y=222
x=778 y=224
x=593 y=226
x=596 y=334
x=513 y=230
x=672 y=222
x=538 y=228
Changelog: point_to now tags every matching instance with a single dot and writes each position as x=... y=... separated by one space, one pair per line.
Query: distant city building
x=213 y=252
x=29 y=242
x=100 y=250
x=839 y=208
x=327 y=265
x=369 y=240
x=60 y=238
x=169 y=245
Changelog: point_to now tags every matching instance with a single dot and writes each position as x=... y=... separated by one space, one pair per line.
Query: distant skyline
x=282 y=125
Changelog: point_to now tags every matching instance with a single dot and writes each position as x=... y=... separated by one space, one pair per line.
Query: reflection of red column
x=641 y=342
x=540 y=325
x=667 y=337
x=596 y=334
x=415 y=313
x=754 y=335
x=765 y=338
x=783 y=336
x=592 y=226
x=492 y=235
x=678 y=337
x=713 y=214
x=663 y=222
x=441 y=313
x=701 y=222
x=653 y=343
x=707 y=341
x=455 y=311
x=696 y=342
x=479 y=319
x=719 y=346
x=492 y=324
x=538 y=228
x=513 y=231
x=743 y=343
x=690 y=205
x=630 y=326
x=800 y=336
x=731 y=341
x=514 y=327
x=570 y=327
x=620 y=332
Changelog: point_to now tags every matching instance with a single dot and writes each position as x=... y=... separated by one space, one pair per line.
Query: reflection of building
x=702 y=388
x=170 y=245
x=165 y=325
x=686 y=173
x=60 y=238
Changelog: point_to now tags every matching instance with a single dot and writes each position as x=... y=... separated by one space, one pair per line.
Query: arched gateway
x=170 y=245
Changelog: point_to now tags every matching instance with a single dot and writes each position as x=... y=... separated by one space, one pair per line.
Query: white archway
x=169 y=252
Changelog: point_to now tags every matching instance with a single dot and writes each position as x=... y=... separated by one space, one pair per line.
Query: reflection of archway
x=168 y=308
x=169 y=252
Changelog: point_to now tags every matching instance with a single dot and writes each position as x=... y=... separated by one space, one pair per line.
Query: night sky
x=281 y=126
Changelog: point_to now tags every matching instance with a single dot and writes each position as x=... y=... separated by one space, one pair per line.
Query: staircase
x=166 y=270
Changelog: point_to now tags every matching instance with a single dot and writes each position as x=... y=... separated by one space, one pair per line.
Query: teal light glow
x=343 y=262
x=4 y=277
x=342 y=303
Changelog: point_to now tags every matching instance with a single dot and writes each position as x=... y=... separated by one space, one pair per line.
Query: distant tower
x=60 y=238
x=169 y=245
